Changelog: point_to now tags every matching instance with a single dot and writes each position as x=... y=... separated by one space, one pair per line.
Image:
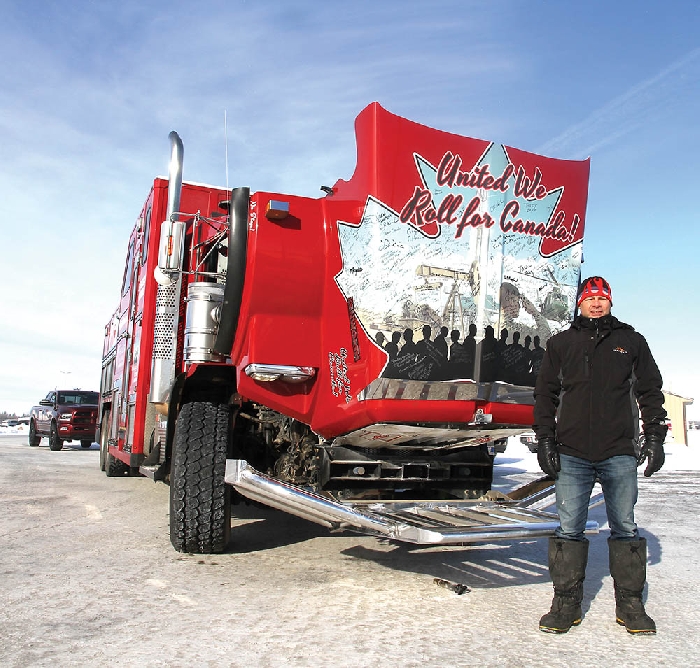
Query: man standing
x=590 y=377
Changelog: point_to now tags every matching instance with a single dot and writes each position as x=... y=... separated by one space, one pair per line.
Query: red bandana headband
x=594 y=287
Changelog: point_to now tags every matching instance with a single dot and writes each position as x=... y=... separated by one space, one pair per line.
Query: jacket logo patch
x=619 y=350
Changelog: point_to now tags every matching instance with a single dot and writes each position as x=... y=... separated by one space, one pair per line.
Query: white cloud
x=631 y=111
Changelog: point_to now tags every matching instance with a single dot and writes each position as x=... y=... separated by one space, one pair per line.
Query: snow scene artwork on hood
x=467 y=260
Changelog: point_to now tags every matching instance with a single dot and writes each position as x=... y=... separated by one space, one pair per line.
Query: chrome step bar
x=518 y=516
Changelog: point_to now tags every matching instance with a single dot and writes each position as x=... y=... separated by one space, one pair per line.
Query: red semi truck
x=352 y=358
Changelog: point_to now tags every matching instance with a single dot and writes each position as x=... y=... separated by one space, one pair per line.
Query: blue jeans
x=618 y=478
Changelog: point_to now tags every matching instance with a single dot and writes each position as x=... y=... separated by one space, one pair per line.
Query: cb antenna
x=226 y=146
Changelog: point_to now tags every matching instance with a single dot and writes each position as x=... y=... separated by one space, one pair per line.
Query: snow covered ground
x=678 y=457
x=19 y=429
x=23 y=430
x=88 y=576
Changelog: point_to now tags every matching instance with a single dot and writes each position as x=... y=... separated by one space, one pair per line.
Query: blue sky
x=90 y=90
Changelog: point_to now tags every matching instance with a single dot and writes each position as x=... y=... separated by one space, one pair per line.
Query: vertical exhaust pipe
x=235 y=272
x=177 y=153
x=170 y=283
x=172 y=233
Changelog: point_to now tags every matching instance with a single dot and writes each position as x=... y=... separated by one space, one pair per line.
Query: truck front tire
x=34 y=438
x=55 y=443
x=200 y=500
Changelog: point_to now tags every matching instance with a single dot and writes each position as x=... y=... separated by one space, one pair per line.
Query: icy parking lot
x=89 y=578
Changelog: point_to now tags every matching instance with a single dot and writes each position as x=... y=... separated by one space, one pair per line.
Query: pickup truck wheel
x=85 y=444
x=34 y=438
x=55 y=443
x=200 y=500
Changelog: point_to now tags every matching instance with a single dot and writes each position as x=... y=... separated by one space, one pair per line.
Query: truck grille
x=84 y=417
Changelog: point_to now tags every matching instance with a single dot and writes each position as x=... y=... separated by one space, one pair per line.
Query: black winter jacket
x=585 y=392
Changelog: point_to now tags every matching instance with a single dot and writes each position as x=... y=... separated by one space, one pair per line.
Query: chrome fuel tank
x=202 y=321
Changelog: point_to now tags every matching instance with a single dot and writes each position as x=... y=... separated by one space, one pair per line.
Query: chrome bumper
x=420 y=522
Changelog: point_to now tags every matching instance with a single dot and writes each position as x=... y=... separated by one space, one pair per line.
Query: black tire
x=113 y=467
x=85 y=444
x=200 y=500
x=55 y=443
x=104 y=441
x=34 y=438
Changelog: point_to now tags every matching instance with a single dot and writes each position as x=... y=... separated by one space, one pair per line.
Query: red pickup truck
x=64 y=415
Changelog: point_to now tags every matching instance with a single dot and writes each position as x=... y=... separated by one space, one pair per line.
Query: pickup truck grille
x=84 y=417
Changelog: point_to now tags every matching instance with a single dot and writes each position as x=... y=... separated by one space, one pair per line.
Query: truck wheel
x=104 y=441
x=113 y=467
x=200 y=500
x=55 y=443
x=34 y=439
x=85 y=444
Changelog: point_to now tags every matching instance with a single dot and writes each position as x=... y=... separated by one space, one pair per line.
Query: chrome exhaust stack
x=177 y=153
x=169 y=279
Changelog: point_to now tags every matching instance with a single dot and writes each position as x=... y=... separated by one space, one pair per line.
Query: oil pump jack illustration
x=454 y=314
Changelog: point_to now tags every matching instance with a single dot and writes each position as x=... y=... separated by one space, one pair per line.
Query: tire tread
x=199 y=497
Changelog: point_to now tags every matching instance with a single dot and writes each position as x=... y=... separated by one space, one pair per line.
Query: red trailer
x=351 y=358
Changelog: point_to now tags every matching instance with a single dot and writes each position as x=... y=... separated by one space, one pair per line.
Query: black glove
x=653 y=451
x=548 y=456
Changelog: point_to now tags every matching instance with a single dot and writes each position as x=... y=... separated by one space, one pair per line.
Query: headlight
x=65 y=416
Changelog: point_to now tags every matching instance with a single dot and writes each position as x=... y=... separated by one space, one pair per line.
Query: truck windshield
x=77 y=398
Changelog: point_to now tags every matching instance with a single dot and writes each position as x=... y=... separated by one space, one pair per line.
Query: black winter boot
x=567 y=567
x=628 y=567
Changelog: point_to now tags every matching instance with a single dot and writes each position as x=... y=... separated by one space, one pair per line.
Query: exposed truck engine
x=353 y=358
